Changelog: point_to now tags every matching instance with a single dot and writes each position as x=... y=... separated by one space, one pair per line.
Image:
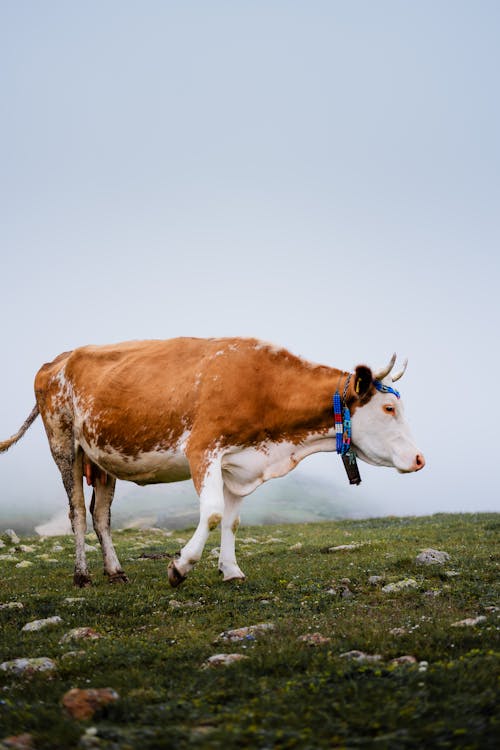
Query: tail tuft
x=5 y=445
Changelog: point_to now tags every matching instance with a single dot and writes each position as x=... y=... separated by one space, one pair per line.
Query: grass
x=287 y=694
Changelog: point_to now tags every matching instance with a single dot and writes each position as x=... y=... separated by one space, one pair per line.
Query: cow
x=231 y=413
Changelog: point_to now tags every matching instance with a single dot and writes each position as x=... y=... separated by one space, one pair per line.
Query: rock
x=39 y=624
x=469 y=622
x=73 y=654
x=74 y=599
x=82 y=704
x=400 y=661
x=273 y=540
x=375 y=580
x=398 y=631
x=215 y=552
x=11 y=536
x=12 y=605
x=188 y=604
x=406 y=583
x=297 y=546
x=332 y=592
x=451 y=573
x=223 y=660
x=27 y=667
x=344 y=547
x=249 y=540
x=57 y=548
x=245 y=634
x=24 y=564
x=432 y=593
x=77 y=634
x=2 y=543
x=361 y=656
x=27 y=548
x=431 y=556
x=422 y=666
x=91 y=548
x=19 y=741
x=9 y=558
x=314 y=639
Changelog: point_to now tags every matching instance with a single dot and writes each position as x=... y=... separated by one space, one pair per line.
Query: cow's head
x=380 y=433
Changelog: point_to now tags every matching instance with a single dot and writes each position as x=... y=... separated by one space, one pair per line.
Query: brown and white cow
x=231 y=413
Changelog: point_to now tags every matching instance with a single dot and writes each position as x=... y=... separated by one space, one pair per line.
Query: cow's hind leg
x=70 y=463
x=230 y=522
x=100 y=508
x=211 y=513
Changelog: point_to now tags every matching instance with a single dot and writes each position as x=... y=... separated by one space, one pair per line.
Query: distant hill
x=295 y=498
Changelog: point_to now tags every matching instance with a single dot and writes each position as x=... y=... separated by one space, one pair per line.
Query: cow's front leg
x=230 y=522
x=211 y=512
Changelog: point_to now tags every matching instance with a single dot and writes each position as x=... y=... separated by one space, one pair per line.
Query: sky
x=322 y=175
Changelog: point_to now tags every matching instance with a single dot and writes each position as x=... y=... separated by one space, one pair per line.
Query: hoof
x=234 y=578
x=174 y=577
x=82 y=580
x=118 y=577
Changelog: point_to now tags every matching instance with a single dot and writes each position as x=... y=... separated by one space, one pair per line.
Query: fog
x=321 y=175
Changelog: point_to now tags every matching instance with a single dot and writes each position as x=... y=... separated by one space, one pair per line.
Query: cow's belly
x=153 y=467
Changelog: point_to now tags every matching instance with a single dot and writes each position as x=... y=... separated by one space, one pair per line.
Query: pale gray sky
x=323 y=175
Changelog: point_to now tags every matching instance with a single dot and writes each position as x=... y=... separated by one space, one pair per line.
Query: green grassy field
x=286 y=694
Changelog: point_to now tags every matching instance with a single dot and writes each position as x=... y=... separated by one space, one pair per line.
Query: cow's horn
x=400 y=372
x=381 y=374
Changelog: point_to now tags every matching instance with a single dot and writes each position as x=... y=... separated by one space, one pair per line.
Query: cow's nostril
x=419 y=462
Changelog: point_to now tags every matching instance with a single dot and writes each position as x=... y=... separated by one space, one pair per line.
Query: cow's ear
x=362 y=380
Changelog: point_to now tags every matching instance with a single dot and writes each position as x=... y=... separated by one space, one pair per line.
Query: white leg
x=230 y=522
x=211 y=512
x=101 y=517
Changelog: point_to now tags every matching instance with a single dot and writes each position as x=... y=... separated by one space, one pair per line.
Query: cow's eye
x=389 y=409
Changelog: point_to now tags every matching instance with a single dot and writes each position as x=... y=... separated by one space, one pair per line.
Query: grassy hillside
x=287 y=694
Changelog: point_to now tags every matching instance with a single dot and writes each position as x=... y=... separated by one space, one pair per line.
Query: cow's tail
x=5 y=445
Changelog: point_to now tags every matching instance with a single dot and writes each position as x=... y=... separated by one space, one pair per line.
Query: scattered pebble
x=297 y=546
x=12 y=605
x=398 y=631
x=57 y=548
x=273 y=540
x=332 y=592
x=361 y=656
x=223 y=660
x=24 y=564
x=422 y=666
x=249 y=540
x=76 y=634
x=451 y=573
x=402 y=660
x=344 y=547
x=28 y=666
x=27 y=548
x=82 y=704
x=74 y=599
x=18 y=742
x=91 y=548
x=215 y=552
x=432 y=593
x=245 y=634
x=39 y=624
x=314 y=639
x=73 y=654
x=406 y=583
x=11 y=536
x=2 y=543
x=180 y=540
x=375 y=580
x=469 y=622
x=431 y=556
x=10 y=558
x=188 y=604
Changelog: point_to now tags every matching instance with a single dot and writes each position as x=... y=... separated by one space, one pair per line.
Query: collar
x=342 y=417
x=383 y=388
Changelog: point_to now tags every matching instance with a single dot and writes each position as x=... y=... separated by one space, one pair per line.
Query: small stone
x=2 y=543
x=297 y=546
x=74 y=599
x=431 y=556
x=249 y=540
x=245 y=634
x=361 y=656
x=375 y=580
x=406 y=583
x=223 y=660
x=9 y=558
x=469 y=622
x=27 y=548
x=12 y=605
x=215 y=552
x=273 y=540
x=39 y=624
x=18 y=742
x=91 y=548
x=24 y=564
x=345 y=581
x=422 y=666
x=332 y=592
x=314 y=639
x=398 y=631
x=57 y=548
x=80 y=634
x=344 y=547
x=73 y=654
x=346 y=593
x=180 y=540
x=451 y=573
x=11 y=536
x=402 y=660
x=82 y=704
x=188 y=604
x=27 y=667
x=432 y=593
